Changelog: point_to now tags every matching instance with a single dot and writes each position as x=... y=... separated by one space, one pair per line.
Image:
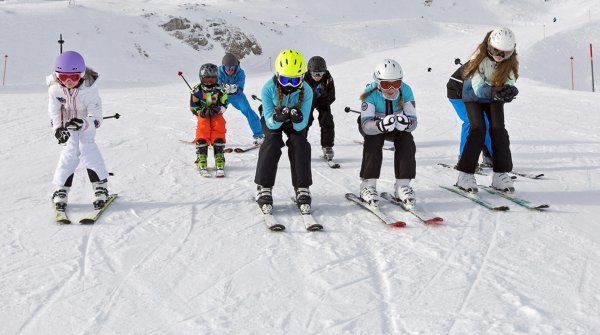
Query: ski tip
x=398 y=224
x=63 y=221
x=228 y=150
x=315 y=227
x=277 y=227
x=544 y=206
x=335 y=166
x=87 y=221
x=434 y=220
x=501 y=208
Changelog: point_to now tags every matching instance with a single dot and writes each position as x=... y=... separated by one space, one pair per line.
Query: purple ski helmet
x=69 y=62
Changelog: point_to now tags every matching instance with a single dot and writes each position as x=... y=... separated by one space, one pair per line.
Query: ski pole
x=182 y=77
x=348 y=110
x=254 y=97
x=116 y=116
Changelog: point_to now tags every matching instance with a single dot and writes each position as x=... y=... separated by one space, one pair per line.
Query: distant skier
x=454 y=92
x=286 y=104
x=76 y=112
x=321 y=81
x=208 y=102
x=232 y=78
x=388 y=113
x=490 y=78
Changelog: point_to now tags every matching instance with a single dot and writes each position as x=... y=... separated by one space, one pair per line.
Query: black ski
x=478 y=171
x=516 y=199
x=528 y=175
x=307 y=218
x=269 y=219
x=95 y=215
x=375 y=210
x=475 y=198
x=426 y=218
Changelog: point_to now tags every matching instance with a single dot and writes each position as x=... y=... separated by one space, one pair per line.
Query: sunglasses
x=65 y=77
x=387 y=84
x=229 y=68
x=499 y=55
x=209 y=80
x=317 y=74
x=289 y=81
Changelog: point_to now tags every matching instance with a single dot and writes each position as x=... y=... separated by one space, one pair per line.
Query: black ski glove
x=509 y=93
x=281 y=114
x=62 y=135
x=296 y=115
x=204 y=112
x=215 y=109
x=74 y=124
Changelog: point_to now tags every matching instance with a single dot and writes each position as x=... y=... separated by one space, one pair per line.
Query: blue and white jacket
x=478 y=88
x=270 y=101
x=373 y=107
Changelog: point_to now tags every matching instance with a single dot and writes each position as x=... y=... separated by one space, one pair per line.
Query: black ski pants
x=270 y=153
x=404 y=155
x=501 y=157
x=325 y=122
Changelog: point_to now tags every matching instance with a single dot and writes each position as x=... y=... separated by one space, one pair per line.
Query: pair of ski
x=273 y=224
x=230 y=150
x=425 y=218
x=480 y=172
x=509 y=196
x=205 y=172
x=63 y=218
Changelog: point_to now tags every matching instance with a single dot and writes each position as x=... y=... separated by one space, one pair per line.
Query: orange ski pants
x=210 y=128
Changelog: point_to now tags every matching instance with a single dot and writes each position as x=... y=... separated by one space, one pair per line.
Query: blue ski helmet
x=69 y=62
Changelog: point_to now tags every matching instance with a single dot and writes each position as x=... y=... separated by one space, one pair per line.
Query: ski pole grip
x=254 y=97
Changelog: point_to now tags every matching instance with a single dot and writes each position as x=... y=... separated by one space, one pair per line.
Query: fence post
x=592 y=64
x=572 y=80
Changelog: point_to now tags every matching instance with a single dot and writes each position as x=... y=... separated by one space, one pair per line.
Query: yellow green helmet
x=290 y=63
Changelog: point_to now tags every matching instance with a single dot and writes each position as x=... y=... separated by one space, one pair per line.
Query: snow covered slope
x=180 y=254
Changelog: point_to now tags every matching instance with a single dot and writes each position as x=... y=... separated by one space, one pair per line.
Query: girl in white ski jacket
x=76 y=112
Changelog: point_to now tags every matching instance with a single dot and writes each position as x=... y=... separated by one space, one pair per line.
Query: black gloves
x=214 y=109
x=62 y=135
x=295 y=115
x=204 y=111
x=505 y=93
x=281 y=114
x=74 y=124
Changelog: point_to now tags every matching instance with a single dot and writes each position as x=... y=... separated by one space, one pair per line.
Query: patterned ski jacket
x=82 y=102
x=202 y=96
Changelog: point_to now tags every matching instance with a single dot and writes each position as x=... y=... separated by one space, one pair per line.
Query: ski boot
x=264 y=199
x=219 y=147
x=503 y=182
x=60 y=198
x=467 y=182
x=404 y=193
x=258 y=139
x=368 y=192
x=100 y=193
x=202 y=156
x=328 y=153
x=303 y=200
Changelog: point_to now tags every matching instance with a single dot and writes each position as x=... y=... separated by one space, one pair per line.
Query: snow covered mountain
x=180 y=254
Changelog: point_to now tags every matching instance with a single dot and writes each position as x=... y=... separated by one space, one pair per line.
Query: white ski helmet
x=502 y=39
x=389 y=69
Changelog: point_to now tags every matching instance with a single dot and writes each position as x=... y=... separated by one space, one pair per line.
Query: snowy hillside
x=180 y=254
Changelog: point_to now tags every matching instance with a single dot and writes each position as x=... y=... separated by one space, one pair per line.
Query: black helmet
x=209 y=70
x=317 y=64
x=230 y=60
